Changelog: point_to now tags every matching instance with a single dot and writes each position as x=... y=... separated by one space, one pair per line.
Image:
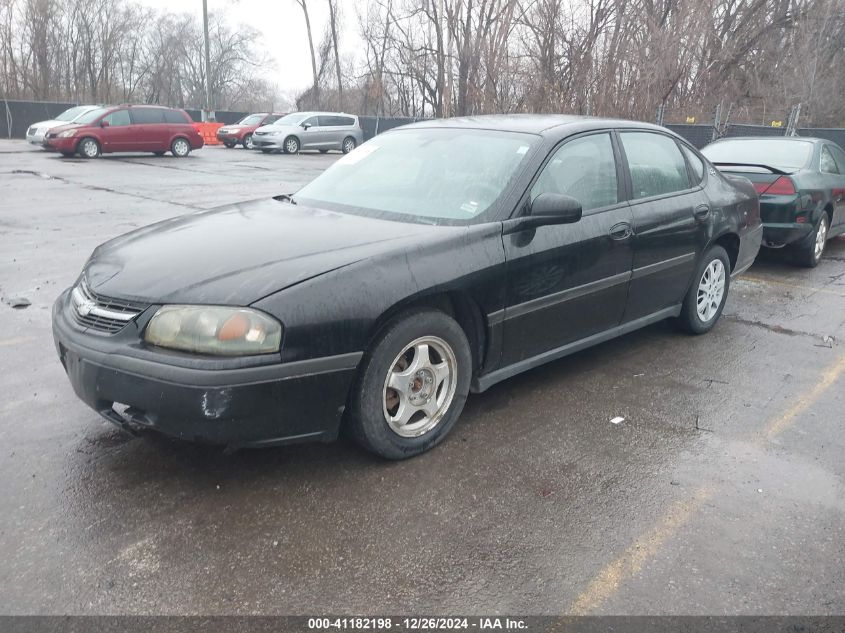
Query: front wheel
x=348 y=144
x=291 y=145
x=412 y=385
x=247 y=141
x=88 y=148
x=810 y=254
x=180 y=148
x=706 y=298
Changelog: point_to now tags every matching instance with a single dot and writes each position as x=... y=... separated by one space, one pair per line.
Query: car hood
x=65 y=126
x=238 y=254
x=280 y=129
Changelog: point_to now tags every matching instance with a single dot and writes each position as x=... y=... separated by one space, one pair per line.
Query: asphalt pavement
x=721 y=492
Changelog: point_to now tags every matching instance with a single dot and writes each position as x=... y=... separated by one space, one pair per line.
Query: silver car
x=36 y=132
x=321 y=131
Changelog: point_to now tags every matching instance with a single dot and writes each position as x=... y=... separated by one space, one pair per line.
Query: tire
x=229 y=144
x=434 y=398
x=291 y=145
x=180 y=147
x=809 y=254
x=348 y=145
x=715 y=265
x=88 y=148
x=159 y=153
x=246 y=141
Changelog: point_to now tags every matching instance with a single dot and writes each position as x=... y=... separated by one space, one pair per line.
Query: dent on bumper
x=252 y=406
x=786 y=233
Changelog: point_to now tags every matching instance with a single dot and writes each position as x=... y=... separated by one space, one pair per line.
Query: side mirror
x=306 y=125
x=104 y=123
x=554 y=208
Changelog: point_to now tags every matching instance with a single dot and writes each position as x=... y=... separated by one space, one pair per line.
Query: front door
x=669 y=222
x=567 y=282
x=119 y=134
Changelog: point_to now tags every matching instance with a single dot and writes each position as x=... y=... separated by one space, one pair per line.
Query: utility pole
x=208 y=112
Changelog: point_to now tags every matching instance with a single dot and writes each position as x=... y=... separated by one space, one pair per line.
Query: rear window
x=143 y=116
x=175 y=116
x=771 y=152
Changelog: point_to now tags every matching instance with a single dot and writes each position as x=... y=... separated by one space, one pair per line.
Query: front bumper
x=202 y=399
x=58 y=144
x=35 y=139
x=268 y=142
x=228 y=137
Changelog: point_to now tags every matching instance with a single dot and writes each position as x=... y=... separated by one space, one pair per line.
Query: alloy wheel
x=348 y=145
x=420 y=386
x=180 y=147
x=821 y=238
x=89 y=148
x=711 y=290
x=248 y=141
x=291 y=146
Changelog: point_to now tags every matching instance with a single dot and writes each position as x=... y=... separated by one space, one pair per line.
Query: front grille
x=103 y=314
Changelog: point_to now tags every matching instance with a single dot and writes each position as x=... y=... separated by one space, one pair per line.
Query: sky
x=282 y=25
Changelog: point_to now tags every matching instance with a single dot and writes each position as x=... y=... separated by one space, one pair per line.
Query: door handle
x=701 y=211
x=621 y=231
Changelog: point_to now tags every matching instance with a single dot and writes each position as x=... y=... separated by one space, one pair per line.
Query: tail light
x=781 y=187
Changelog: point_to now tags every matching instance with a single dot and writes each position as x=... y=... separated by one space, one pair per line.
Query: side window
x=696 y=164
x=583 y=168
x=145 y=116
x=828 y=164
x=326 y=121
x=118 y=117
x=312 y=121
x=271 y=119
x=839 y=157
x=345 y=121
x=656 y=164
x=174 y=116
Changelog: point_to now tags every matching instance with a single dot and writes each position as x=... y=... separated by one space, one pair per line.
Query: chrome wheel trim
x=711 y=290
x=89 y=148
x=821 y=238
x=291 y=146
x=248 y=141
x=419 y=386
x=181 y=147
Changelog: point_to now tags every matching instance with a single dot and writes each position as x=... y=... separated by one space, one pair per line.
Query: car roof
x=318 y=112
x=543 y=124
x=810 y=139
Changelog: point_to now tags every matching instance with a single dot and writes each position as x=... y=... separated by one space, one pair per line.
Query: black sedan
x=435 y=260
x=801 y=182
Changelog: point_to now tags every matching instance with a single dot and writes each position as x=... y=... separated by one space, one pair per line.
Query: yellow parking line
x=606 y=583
x=777 y=282
x=632 y=560
x=17 y=341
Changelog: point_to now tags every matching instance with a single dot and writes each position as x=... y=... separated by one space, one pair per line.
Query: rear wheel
x=810 y=253
x=88 y=148
x=291 y=145
x=706 y=298
x=348 y=144
x=180 y=147
x=411 y=386
x=247 y=141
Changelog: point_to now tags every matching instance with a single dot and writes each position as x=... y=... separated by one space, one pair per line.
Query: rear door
x=567 y=282
x=833 y=170
x=119 y=135
x=670 y=221
x=151 y=129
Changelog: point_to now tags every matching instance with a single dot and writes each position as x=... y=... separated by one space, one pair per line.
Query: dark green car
x=801 y=182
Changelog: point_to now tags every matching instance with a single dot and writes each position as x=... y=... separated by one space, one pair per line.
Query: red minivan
x=126 y=128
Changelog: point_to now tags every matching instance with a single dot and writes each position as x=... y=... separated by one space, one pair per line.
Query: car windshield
x=90 y=117
x=432 y=176
x=72 y=113
x=772 y=152
x=252 y=119
x=291 y=119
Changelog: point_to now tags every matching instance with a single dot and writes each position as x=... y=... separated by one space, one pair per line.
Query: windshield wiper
x=285 y=198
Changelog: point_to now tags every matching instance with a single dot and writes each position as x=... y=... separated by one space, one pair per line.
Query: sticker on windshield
x=470 y=207
x=358 y=154
x=522 y=149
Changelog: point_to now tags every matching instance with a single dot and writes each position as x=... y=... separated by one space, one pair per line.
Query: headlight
x=67 y=133
x=214 y=330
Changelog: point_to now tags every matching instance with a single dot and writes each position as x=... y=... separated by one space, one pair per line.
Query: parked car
x=437 y=259
x=36 y=132
x=126 y=128
x=321 y=131
x=801 y=182
x=242 y=131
